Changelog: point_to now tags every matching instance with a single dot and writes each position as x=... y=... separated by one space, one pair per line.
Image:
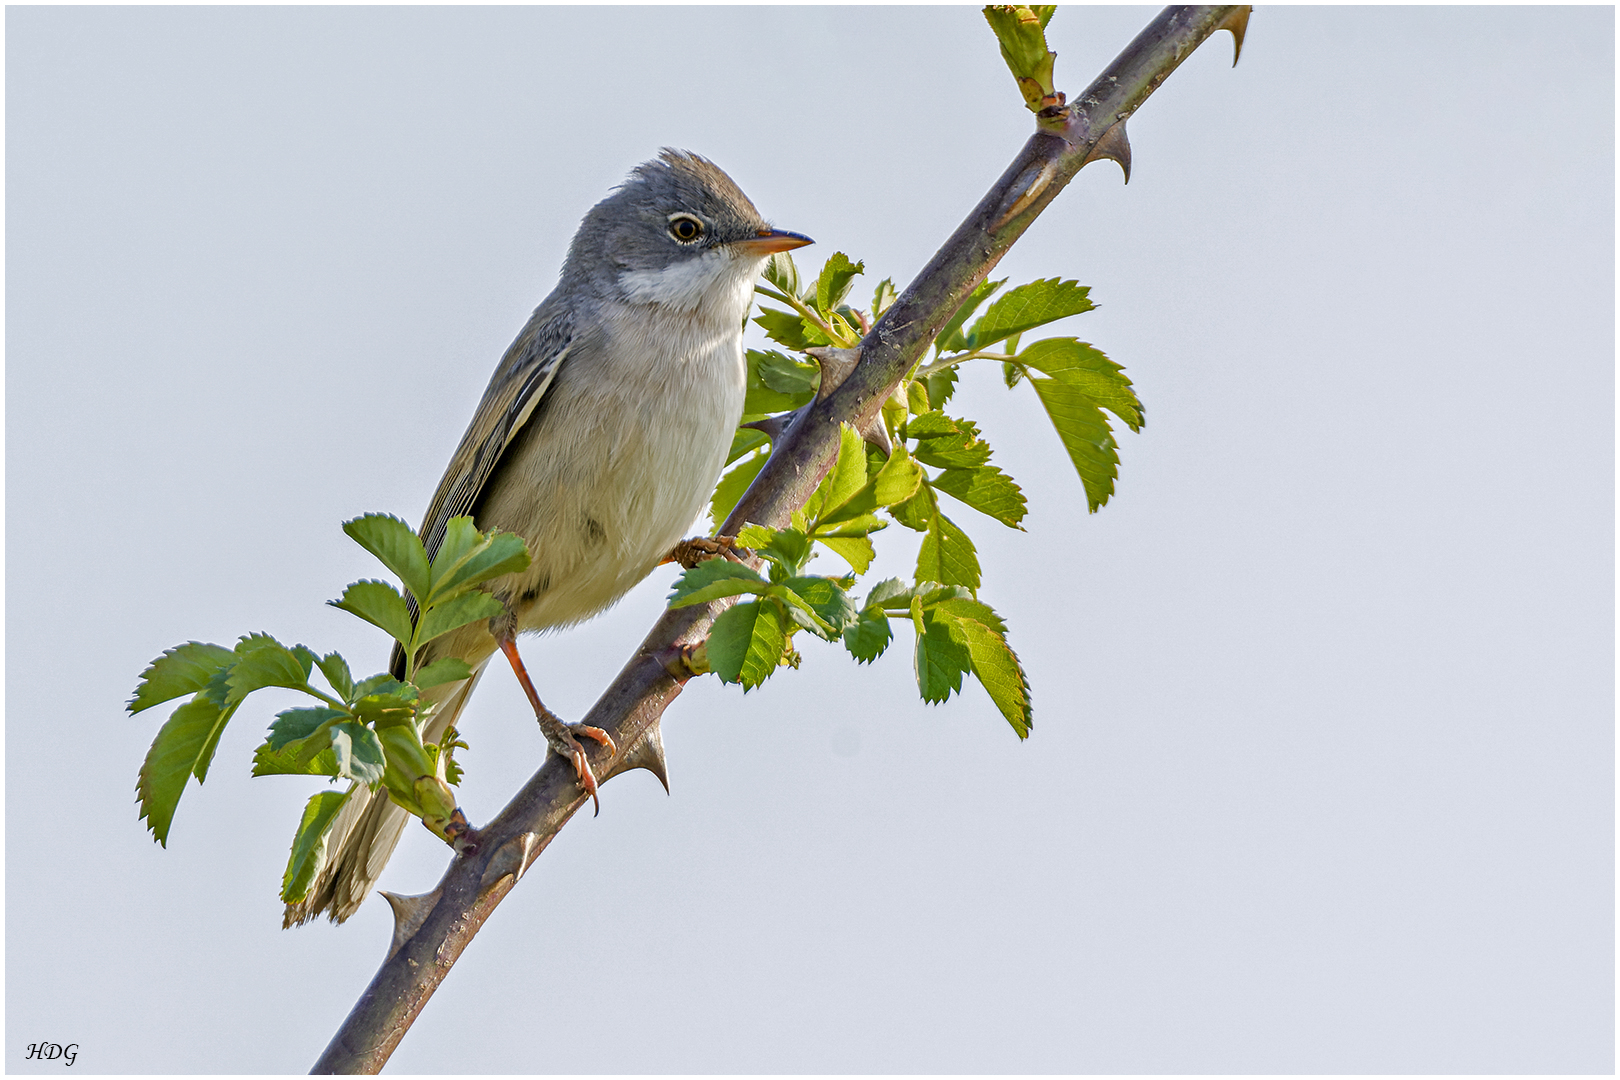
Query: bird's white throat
x=714 y=280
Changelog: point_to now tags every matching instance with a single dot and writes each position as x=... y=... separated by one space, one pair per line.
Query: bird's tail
x=368 y=827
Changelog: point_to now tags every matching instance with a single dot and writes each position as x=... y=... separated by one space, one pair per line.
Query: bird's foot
x=696 y=549
x=564 y=741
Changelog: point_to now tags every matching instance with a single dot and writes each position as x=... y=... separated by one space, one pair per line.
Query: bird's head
x=678 y=233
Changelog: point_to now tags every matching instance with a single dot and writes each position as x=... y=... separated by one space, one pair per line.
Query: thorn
x=1238 y=24
x=410 y=912
x=647 y=753
x=1115 y=147
x=511 y=859
x=875 y=433
x=836 y=364
x=1026 y=189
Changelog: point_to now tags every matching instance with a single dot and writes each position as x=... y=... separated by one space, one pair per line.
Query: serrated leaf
x=171 y=759
x=868 y=636
x=855 y=550
x=838 y=274
x=268 y=665
x=396 y=546
x=336 y=670
x=713 y=579
x=760 y=397
x=388 y=709
x=732 y=487
x=965 y=607
x=469 y=607
x=785 y=328
x=746 y=642
x=941 y=656
x=947 y=555
x=184 y=669
x=846 y=477
x=988 y=490
x=996 y=667
x=1011 y=373
x=1027 y=307
x=378 y=683
x=1089 y=371
x=950 y=338
x=306 y=658
x=781 y=272
x=883 y=297
x=497 y=554
x=359 y=753
x=916 y=512
x=205 y=756
x=286 y=761
x=891 y=593
x=443 y=670
x=1086 y=436
x=896 y=482
x=379 y=604
x=292 y=725
x=787 y=548
x=309 y=844
x=946 y=443
x=460 y=537
x=831 y=604
x=795 y=378
x=940 y=386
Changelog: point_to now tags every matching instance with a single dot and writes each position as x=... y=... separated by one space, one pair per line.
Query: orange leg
x=562 y=738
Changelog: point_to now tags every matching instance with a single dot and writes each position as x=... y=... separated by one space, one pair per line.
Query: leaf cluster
x=368 y=732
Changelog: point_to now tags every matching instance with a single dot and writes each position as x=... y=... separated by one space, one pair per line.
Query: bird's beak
x=770 y=241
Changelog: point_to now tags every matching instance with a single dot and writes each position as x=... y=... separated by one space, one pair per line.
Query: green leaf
x=784 y=328
x=947 y=443
x=1086 y=436
x=336 y=670
x=890 y=593
x=964 y=607
x=746 y=642
x=443 y=670
x=292 y=725
x=359 y=753
x=838 y=274
x=1021 y=31
x=996 y=666
x=896 y=482
x=743 y=441
x=1090 y=372
x=950 y=338
x=184 y=669
x=940 y=386
x=947 y=555
x=855 y=550
x=205 y=756
x=868 y=636
x=1027 y=307
x=787 y=548
x=1011 y=373
x=379 y=683
x=268 y=762
x=823 y=596
x=388 y=709
x=988 y=490
x=267 y=665
x=941 y=656
x=917 y=511
x=781 y=272
x=846 y=477
x=883 y=297
x=732 y=487
x=309 y=844
x=762 y=398
x=380 y=605
x=713 y=579
x=469 y=607
x=461 y=536
x=171 y=760
x=396 y=546
x=496 y=554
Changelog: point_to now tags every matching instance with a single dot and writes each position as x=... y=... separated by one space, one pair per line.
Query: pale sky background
x=1322 y=775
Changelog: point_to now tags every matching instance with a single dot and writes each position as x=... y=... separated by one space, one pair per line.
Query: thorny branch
x=432 y=930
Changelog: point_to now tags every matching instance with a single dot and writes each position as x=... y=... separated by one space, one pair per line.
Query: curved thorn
x=646 y=753
x=1238 y=24
x=1114 y=146
x=512 y=858
x=410 y=912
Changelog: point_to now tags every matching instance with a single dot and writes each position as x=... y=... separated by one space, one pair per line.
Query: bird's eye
x=685 y=228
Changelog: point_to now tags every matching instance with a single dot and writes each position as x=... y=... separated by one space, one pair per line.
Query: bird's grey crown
x=629 y=230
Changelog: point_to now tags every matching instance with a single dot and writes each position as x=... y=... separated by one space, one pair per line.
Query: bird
x=599 y=439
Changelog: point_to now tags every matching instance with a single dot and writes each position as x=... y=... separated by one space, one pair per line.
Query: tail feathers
x=366 y=830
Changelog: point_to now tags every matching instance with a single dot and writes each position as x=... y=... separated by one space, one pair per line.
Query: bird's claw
x=564 y=740
x=696 y=549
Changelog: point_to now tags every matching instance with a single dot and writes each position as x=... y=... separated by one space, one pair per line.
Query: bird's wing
x=519 y=384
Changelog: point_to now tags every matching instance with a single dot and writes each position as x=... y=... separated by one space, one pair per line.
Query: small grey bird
x=599 y=439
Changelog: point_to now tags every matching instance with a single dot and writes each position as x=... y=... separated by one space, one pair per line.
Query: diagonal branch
x=434 y=929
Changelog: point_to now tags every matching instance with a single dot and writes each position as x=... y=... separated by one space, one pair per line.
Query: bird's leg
x=562 y=738
x=696 y=549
